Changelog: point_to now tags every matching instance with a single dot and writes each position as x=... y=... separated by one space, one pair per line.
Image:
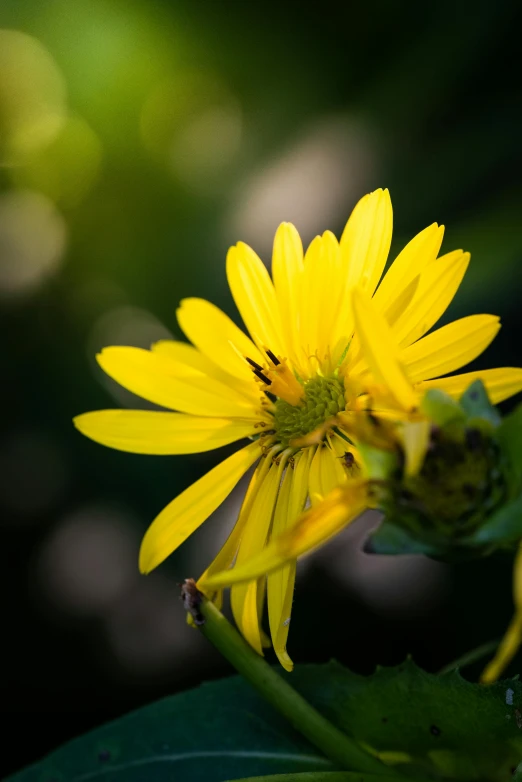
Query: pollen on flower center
x=323 y=399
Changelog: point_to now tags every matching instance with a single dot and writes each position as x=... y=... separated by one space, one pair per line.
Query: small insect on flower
x=192 y=599
x=348 y=459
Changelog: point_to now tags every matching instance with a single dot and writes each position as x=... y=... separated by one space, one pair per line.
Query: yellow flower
x=320 y=351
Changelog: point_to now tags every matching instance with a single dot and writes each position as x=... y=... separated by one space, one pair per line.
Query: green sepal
x=509 y=435
x=380 y=464
x=504 y=527
x=441 y=408
x=390 y=539
x=476 y=404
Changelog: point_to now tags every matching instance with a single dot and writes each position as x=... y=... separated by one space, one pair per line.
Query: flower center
x=323 y=399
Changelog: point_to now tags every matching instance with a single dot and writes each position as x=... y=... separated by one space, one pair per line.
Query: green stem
x=340 y=748
x=470 y=657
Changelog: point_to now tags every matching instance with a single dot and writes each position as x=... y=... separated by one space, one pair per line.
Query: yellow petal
x=189 y=361
x=415 y=438
x=214 y=333
x=505 y=652
x=156 y=377
x=366 y=239
x=280 y=583
x=190 y=508
x=500 y=383
x=315 y=527
x=326 y=472
x=228 y=551
x=380 y=351
x=244 y=597
x=320 y=300
x=449 y=348
x=510 y=644
x=150 y=432
x=422 y=249
x=280 y=587
x=255 y=297
x=287 y=268
x=438 y=285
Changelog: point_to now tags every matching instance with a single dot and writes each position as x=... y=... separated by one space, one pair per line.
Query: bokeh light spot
x=193 y=125
x=400 y=586
x=32 y=97
x=32 y=241
x=147 y=630
x=124 y=326
x=90 y=560
x=311 y=184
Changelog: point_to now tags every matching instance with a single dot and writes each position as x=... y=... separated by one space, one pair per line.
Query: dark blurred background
x=138 y=140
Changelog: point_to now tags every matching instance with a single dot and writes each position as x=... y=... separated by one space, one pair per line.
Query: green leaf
x=422 y=723
x=222 y=730
x=324 y=776
x=466 y=731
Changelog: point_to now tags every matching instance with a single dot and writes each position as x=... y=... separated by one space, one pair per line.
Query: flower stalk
x=342 y=750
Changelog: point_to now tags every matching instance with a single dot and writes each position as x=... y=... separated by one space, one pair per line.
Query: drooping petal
x=280 y=587
x=244 y=597
x=151 y=432
x=450 y=347
x=287 y=268
x=190 y=508
x=422 y=249
x=381 y=351
x=366 y=240
x=500 y=383
x=507 y=649
x=155 y=377
x=314 y=527
x=510 y=644
x=228 y=551
x=280 y=583
x=214 y=333
x=326 y=472
x=255 y=297
x=438 y=285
